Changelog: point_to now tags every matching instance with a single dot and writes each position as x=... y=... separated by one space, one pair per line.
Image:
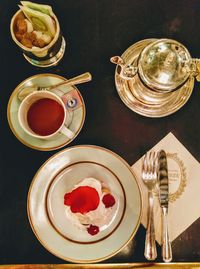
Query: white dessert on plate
x=90 y=206
x=86 y=196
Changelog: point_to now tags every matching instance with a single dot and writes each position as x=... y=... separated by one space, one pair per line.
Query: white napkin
x=184 y=188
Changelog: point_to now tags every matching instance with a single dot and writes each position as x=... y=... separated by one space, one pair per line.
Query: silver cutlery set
x=155 y=177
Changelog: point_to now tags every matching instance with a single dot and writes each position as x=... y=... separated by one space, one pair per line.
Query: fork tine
x=155 y=162
x=149 y=161
x=149 y=165
x=149 y=177
x=144 y=164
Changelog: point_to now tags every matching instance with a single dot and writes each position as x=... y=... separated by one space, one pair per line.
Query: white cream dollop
x=100 y=217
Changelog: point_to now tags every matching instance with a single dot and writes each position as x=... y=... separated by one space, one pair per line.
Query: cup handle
x=67 y=132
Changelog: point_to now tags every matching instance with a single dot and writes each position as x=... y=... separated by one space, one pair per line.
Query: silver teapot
x=163 y=66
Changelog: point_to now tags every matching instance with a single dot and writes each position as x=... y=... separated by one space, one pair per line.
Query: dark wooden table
x=95 y=30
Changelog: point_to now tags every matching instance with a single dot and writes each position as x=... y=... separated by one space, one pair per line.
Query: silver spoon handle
x=150 y=251
x=85 y=77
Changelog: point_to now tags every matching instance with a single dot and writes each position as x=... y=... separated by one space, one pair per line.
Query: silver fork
x=149 y=177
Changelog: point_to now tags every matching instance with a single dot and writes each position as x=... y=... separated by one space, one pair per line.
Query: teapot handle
x=195 y=68
x=127 y=71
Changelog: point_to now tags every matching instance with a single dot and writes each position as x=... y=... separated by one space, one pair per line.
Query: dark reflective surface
x=94 y=31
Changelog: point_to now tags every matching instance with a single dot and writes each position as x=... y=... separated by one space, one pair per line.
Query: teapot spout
x=126 y=71
x=117 y=60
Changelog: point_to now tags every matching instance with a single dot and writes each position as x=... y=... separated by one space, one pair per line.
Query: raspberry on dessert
x=108 y=200
x=90 y=205
x=92 y=229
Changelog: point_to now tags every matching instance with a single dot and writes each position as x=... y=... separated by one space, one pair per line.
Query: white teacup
x=29 y=101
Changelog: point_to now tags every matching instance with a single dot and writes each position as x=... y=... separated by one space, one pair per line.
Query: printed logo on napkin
x=177 y=177
x=183 y=171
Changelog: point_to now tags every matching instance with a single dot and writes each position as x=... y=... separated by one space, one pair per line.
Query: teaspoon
x=85 y=77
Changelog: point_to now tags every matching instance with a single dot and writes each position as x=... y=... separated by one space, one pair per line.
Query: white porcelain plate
x=47 y=212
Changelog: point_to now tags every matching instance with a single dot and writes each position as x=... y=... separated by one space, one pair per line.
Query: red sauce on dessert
x=92 y=229
x=45 y=116
x=108 y=200
x=82 y=200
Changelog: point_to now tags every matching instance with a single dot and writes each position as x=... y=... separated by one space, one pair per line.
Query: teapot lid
x=164 y=64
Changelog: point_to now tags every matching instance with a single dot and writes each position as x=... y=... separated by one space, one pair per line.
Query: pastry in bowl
x=35 y=26
x=36 y=30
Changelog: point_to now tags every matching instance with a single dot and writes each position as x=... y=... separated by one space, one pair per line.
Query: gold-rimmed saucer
x=142 y=100
x=36 y=143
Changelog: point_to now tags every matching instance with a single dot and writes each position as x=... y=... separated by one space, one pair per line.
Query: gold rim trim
x=140 y=197
x=9 y=117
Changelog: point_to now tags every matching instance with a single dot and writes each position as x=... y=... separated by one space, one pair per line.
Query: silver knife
x=164 y=200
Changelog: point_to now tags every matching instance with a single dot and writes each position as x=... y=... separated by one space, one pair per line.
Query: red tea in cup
x=45 y=116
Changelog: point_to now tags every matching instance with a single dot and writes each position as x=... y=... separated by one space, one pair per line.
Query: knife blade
x=163 y=179
x=164 y=202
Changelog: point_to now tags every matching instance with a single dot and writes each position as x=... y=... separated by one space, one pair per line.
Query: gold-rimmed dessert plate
x=46 y=209
x=143 y=100
x=76 y=124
